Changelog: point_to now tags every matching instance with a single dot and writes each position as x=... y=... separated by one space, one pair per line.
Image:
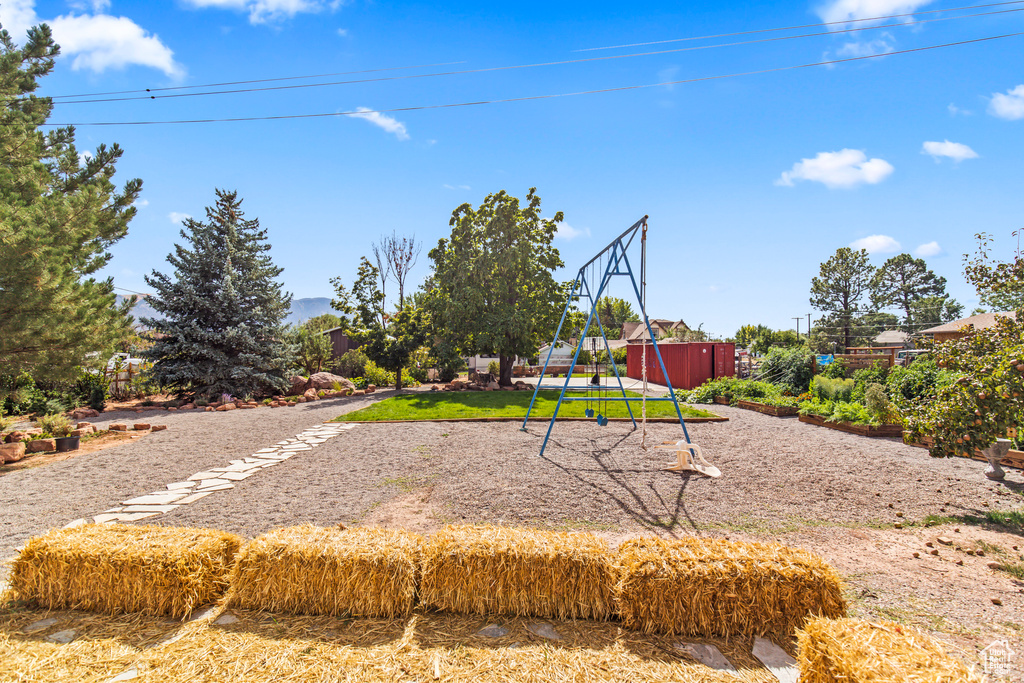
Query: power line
x=258 y=80
x=798 y=27
x=523 y=66
x=130 y=291
x=392 y=110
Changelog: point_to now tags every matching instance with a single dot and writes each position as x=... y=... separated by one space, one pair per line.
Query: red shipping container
x=688 y=364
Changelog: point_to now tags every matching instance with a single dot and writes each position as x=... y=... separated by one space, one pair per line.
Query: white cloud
x=843 y=169
x=952 y=150
x=879 y=46
x=269 y=11
x=178 y=217
x=95 y=6
x=928 y=249
x=343 y=32
x=1009 y=106
x=567 y=232
x=94 y=41
x=141 y=203
x=457 y=187
x=848 y=10
x=384 y=121
x=84 y=157
x=876 y=244
x=957 y=111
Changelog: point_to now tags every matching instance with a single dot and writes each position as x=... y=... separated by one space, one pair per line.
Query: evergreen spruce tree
x=59 y=214
x=224 y=309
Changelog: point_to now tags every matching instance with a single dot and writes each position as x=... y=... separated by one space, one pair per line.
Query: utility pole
x=798 y=319
x=808 y=327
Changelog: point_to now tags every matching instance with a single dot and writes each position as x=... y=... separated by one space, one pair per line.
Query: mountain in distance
x=301 y=310
x=304 y=309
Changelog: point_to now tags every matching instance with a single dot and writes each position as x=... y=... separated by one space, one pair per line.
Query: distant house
x=661 y=328
x=895 y=338
x=591 y=343
x=957 y=328
x=340 y=342
x=561 y=353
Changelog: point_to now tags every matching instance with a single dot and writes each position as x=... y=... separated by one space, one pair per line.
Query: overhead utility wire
x=453 y=105
x=258 y=80
x=795 y=28
x=523 y=66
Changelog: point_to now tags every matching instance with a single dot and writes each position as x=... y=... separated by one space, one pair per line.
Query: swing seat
x=589 y=412
x=690 y=459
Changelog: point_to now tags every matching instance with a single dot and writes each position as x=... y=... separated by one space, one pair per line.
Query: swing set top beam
x=631 y=231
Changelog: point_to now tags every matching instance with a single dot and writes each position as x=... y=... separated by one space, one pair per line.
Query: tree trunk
x=398 y=380
x=505 y=370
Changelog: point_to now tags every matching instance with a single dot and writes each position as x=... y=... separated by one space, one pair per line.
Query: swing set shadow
x=590 y=284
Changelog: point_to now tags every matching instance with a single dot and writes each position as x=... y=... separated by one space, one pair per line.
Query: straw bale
x=711 y=587
x=856 y=651
x=367 y=572
x=115 y=568
x=495 y=570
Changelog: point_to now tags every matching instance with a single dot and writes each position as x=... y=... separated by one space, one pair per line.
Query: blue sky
x=750 y=182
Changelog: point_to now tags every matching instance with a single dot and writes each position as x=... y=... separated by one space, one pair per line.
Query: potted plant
x=60 y=427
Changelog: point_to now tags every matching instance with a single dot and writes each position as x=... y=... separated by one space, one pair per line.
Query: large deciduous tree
x=222 y=331
x=840 y=289
x=999 y=285
x=59 y=213
x=494 y=291
x=902 y=282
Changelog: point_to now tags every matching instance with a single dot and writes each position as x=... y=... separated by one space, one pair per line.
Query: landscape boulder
x=11 y=452
x=41 y=445
x=309 y=394
x=325 y=380
x=79 y=413
x=118 y=428
x=298 y=385
x=226 y=406
x=370 y=388
x=15 y=436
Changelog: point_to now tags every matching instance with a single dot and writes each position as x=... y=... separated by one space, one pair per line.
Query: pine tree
x=222 y=333
x=59 y=214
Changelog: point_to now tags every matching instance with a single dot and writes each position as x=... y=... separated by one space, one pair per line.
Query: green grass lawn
x=513 y=404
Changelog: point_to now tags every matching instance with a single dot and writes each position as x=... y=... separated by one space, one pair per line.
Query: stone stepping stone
x=708 y=655
x=180 y=485
x=124 y=517
x=196 y=496
x=158 y=498
x=244 y=467
x=150 y=508
x=61 y=637
x=210 y=483
x=219 y=487
x=544 y=630
x=236 y=476
x=298 y=447
x=492 y=631
x=775 y=659
x=225 y=619
x=125 y=676
x=266 y=450
x=72 y=524
x=204 y=475
x=40 y=625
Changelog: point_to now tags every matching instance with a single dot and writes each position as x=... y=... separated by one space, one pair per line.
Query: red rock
x=298 y=385
x=300 y=399
x=188 y=406
x=79 y=413
x=83 y=425
x=12 y=452
x=159 y=428
x=15 y=437
x=246 y=406
x=326 y=380
x=370 y=388
x=41 y=445
x=226 y=407
x=80 y=432
x=141 y=426
x=309 y=394
x=171 y=408
x=118 y=428
x=359 y=392
x=210 y=409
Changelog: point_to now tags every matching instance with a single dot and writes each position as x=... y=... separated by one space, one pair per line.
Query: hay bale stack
x=365 y=572
x=855 y=651
x=494 y=570
x=704 y=587
x=115 y=568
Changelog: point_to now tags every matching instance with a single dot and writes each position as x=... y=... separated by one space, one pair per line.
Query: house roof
x=629 y=327
x=892 y=337
x=981 y=321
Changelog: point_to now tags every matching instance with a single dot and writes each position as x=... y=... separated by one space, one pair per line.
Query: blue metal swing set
x=590 y=285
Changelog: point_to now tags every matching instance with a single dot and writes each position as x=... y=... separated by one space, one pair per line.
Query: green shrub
x=816 y=407
x=791 y=369
x=850 y=412
x=377 y=376
x=418 y=374
x=359 y=382
x=731 y=388
x=919 y=381
x=494 y=368
x=352 y=363
x=6 y=423
x=877 y=403
x=835 y=370
x=828 y=389
x=55 y=424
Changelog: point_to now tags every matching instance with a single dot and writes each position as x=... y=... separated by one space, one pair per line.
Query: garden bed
x=777 y=411
x=860 y=430
x=1013 y=458
x=722 y=401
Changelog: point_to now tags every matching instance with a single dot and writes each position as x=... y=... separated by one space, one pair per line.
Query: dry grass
x=310 y=570
x=114 y=568
x=705 y=587
x=495 y=570
x=261 y=648
x=854 y=651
